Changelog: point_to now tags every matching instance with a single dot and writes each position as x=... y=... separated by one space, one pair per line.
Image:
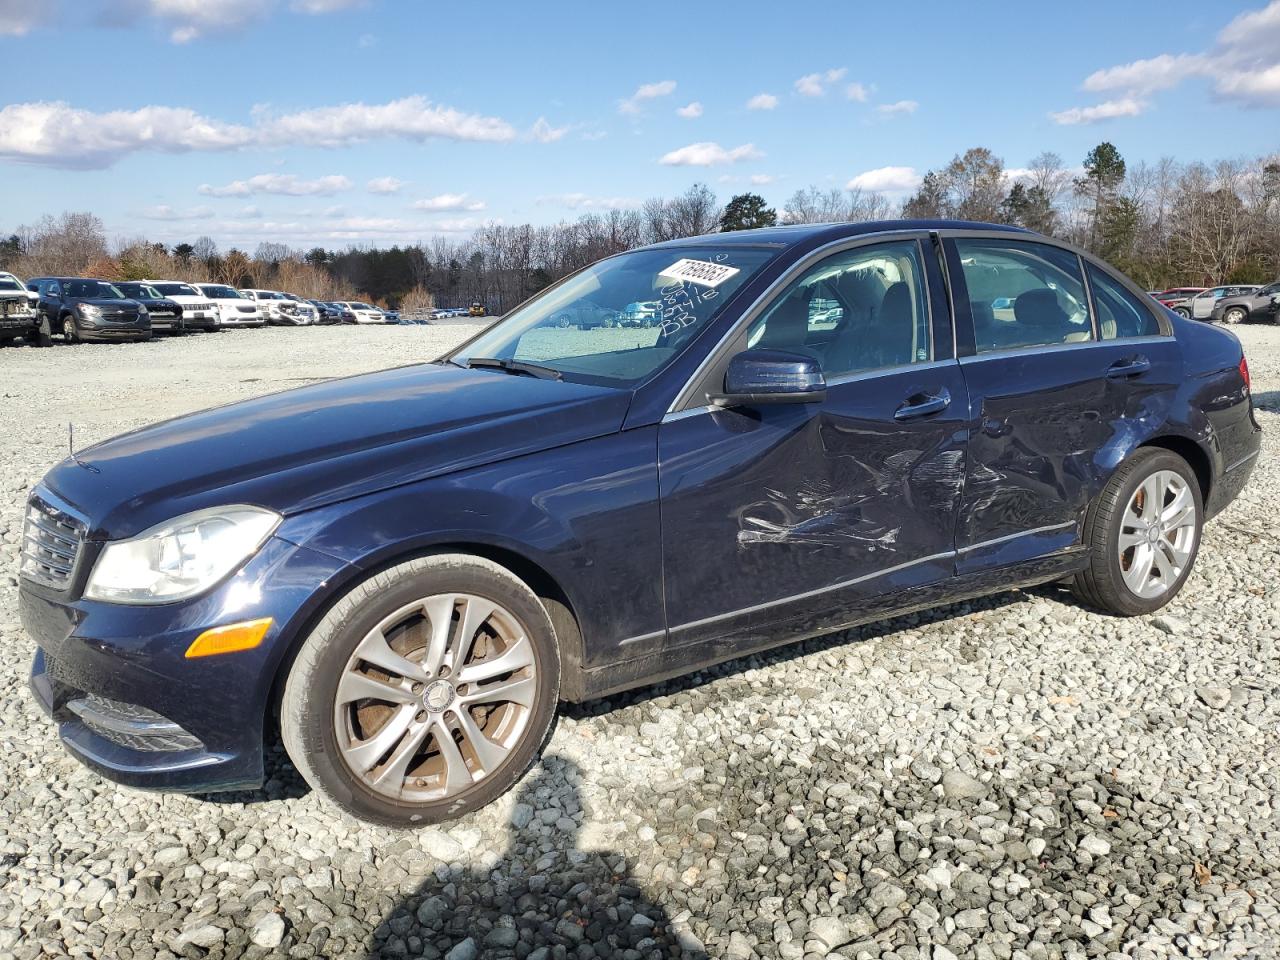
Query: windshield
x=139 y=291
x=588 y=327
x=362 y=306
x=177 y=290
x=93 y=288
x=220 y=293
x=9 y=285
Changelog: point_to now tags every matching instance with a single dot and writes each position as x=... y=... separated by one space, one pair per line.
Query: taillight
x=1244 y=371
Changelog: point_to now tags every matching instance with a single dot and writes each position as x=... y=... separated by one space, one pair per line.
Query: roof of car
x=801 y=232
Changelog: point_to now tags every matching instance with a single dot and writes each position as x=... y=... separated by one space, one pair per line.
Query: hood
x=108 y=302
x=305 y=448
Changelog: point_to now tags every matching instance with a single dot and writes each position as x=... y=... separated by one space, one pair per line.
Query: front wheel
x=43 y=336
x=1235 y=315
x=69 y=332
x=425 y=693
x=1142 y=533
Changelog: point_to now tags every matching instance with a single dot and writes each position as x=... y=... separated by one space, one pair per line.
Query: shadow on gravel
x=1268 y=400
x=542 y=898
x=281 y=780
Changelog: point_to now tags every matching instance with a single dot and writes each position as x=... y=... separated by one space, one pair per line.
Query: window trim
x=1093 y=306
x=691 y=397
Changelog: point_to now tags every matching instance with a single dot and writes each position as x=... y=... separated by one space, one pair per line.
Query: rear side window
x=1023 y=294
x=1120 y=314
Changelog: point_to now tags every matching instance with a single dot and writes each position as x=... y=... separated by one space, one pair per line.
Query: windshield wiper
x=516 y=366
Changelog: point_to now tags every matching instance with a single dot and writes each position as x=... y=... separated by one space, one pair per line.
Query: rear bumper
x=127 y=702
x=1239 y=459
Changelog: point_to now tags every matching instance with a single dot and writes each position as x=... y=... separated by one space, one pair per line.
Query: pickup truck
x=18 y=314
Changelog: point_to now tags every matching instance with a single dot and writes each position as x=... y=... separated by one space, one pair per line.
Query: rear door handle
x=1130 y=367
x=923 y=404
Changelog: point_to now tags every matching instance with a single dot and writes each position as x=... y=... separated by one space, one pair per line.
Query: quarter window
x=1120 y=314
x=1023 y=294
x=863 y=309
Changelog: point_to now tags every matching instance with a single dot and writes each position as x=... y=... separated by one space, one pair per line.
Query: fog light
x=232 y=638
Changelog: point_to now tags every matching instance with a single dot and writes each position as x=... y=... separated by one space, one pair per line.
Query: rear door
x=1063 y=362
x=784 y=519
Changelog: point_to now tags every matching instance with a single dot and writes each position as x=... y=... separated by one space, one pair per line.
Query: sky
x=337 y=122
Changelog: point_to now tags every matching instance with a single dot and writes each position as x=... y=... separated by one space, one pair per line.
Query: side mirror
x=771 y=376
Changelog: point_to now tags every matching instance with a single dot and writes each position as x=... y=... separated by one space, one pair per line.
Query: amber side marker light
x=232 y=638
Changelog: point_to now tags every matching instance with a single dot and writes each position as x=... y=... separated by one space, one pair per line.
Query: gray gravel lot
x=1016 y=777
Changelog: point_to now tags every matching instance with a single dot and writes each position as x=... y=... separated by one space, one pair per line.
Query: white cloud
x=367 y=41
x=17 y=17
x=189 y=19
x=708 y=154
x=815 y=84
x=165 y=212
x=324 y=6
x=1144 y=76
x=886 y=180
x=1243 y=65
x=544 y=132
x=448 y=202
x=58 y=134
x=593 y=135
x=857 y=92
x=409 y=118
x=1107 y=110
x=459 y=225
x=690 y=111
x=251 y=212
x=284 y=184
x=584 y=201
x=384 y=185
x=645 y=92
x=761 y=179
x=762 y=101
x=898 y=107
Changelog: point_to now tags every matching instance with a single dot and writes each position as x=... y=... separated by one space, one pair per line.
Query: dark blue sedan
x=824 y=425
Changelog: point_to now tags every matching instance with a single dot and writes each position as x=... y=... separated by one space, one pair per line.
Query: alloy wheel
x=435 y=697
x=1157 y=534
x=1234 y=315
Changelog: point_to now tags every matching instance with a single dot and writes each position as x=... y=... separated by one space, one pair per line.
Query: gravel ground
x=1016 y=777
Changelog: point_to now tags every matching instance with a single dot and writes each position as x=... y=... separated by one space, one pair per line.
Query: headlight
x=180 y=558
x=142 y=310
x=89 y=310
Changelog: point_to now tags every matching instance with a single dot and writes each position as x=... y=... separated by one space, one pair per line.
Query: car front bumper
x=130 y=705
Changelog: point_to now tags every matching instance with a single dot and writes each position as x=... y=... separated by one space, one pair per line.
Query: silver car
x=1260 y=303
x=1200 y=307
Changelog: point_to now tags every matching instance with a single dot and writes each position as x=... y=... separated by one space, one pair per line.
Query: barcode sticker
x=701 y=272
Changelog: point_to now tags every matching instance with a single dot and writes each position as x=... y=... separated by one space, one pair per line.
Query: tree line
x=1165 y=224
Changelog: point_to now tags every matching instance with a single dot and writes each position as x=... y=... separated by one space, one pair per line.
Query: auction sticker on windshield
x=700 y=272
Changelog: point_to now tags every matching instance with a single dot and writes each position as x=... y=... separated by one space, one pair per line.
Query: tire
x=1235 y=315
x=326 y=736
x=1103 y=583
x=1182 y=312
x=43 y=336
x=69 y=332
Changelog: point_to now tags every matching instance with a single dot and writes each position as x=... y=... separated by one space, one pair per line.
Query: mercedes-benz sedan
x=412 y=568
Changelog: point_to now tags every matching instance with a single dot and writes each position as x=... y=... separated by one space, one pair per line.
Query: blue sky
x=376 y=121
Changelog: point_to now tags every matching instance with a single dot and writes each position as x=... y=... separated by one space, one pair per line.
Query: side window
x=1120 y=314
x=1023 y=294
x=859 y=310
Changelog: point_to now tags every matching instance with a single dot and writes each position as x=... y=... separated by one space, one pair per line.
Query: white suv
x=275 y=308
x=363 y=312
x=198 y=312
x=308 y=315
x=234 y=308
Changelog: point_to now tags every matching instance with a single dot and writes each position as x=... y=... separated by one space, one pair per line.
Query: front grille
x=243 y=309
x=51 y=542
x=120 y=316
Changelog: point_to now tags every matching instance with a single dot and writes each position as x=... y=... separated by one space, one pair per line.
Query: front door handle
x=923 y=404
x=1130 y=367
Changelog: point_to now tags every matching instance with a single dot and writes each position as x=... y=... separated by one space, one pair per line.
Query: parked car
x=1261 y=303
x=640 y=313
x=1200 y=307
x=20 y=316
x=587 y=315
x=277 y=309
x=88 y=310
x=166 y=314
x=422 y=562
x=363 y=312
x=234 y=308
x=198 y=311
x=1176 y=295
x=393 y=316
x=328 y=313
x=306 y=311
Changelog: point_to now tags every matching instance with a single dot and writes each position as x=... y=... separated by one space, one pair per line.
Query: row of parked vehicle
x=86 y=309
x=1231 y=303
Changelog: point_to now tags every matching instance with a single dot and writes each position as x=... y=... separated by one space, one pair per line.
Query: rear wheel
x=1182 y=312
x=426 y=692
x=1235 y=315
x=1143 y=533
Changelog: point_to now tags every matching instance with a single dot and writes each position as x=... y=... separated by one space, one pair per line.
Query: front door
x=786 y=519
